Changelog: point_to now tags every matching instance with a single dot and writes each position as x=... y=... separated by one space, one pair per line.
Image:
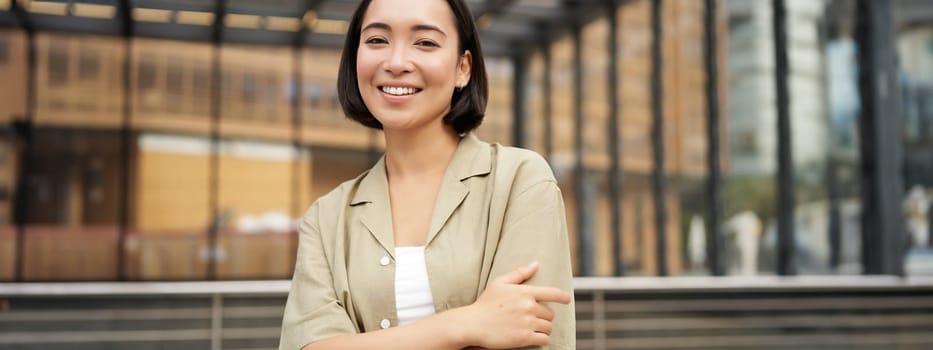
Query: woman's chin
x=402 y=123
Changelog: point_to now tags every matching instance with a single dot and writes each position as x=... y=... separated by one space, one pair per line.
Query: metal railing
x=612 y=313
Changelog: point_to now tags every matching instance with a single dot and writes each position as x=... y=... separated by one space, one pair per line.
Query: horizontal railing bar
x=764 y=304
x=739 y=323
x=103 y=336
x=750 y=283
x=251 y=333
x=582 y=285
x=111 y=336
x=201 y=288
x=140 y=314
x=804 y=340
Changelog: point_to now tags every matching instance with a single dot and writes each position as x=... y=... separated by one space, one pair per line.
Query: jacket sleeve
x=313 y=311
x=535 y=229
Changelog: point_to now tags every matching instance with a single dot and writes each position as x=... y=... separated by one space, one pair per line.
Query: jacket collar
x=471 y=158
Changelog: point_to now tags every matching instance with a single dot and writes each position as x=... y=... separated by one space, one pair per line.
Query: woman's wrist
x=456 y=324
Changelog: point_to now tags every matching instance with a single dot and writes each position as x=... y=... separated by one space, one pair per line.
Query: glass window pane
x=72 y=205
x=594 y=38
x=4 y=48
x=13 y=69
x=88 y=63
x=9 y=153
x=497 y=124
x=638 y=240
x=685 y=133
x=562 y=162
x=257 y=164
x=534 y=104
x=166 y=88
x=168 y=236
x=169 y=239
x=916 y=50
x=58 y=64
x=749 y=173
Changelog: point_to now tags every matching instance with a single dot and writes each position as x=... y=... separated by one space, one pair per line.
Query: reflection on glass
x=8 y=169
x=917 y=116
x=497 y=124
x=634 y=61
x=534 y=105
x=561 y=101
x=72 y=198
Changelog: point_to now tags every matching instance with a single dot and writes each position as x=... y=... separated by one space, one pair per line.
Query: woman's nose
x=399 y=60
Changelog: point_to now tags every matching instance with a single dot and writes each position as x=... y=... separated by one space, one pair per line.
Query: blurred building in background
x=702 y=147
x=265 y=167
x=753 y=120
x=200 y=161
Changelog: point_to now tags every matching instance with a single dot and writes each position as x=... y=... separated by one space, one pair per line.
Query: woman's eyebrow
x=416 y=27
x=376 y=25
x=427 y=27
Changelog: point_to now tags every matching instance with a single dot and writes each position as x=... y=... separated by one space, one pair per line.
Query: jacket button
x=384 y=261
x=385 y=323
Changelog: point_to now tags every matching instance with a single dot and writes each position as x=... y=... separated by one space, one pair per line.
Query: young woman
x=447 y=242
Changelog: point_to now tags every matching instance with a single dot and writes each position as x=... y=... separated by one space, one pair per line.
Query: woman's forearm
x=506 y=315
x=441 y=331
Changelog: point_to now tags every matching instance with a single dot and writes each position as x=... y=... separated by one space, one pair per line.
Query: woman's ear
x=464 y=69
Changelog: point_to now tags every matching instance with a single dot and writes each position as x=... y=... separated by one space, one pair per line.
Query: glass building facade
x=154 y=159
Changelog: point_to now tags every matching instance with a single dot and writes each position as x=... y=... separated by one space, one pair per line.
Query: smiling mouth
x=399 y=91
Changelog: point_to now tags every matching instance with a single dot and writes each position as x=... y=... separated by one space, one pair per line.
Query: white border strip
x=738 y=283
x=273 y=287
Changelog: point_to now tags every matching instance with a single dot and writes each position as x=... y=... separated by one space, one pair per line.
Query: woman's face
x=408 y=62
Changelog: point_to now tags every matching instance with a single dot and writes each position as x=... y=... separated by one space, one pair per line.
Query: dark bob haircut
x=467 y=106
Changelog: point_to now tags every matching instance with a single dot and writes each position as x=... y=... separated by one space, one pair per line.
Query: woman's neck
x=417 y=153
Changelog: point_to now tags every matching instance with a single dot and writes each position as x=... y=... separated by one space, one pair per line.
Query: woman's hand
x=510 y=315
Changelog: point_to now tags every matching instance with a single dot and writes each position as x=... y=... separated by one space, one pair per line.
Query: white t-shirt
x=413 y=298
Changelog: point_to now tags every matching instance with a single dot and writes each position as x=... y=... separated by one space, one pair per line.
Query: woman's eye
x=427 y=43
x=376 y=41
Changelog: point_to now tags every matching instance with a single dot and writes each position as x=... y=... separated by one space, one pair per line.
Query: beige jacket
x=498 y=208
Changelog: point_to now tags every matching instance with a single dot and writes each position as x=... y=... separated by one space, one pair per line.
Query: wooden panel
x=561 y=100
x=172 y=192
x=534 y=89
x=70 y=253
x=13 y=70
x=8 y=179
x=171 y=85
x=7 y=252
x=594 y=37
x=497 y=125
x=76 y=83
x=167 y=257
x=257 y=256
x=254 y=97
x=639 y=232
x=352 y=136
x=331 y=168
x=253 y=186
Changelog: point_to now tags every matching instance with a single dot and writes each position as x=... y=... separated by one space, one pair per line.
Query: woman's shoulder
x=525 y=166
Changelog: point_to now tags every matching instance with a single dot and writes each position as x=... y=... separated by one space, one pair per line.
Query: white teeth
x=398 y=91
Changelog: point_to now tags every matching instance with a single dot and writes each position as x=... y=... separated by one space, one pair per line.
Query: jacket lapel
x=376 y=214
x=472 y=158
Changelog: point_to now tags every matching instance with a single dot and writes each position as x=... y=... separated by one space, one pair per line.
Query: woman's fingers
x=516 y=314
x=543 y=327
x=539 y=339
x=519 y=275
x=543 y=312
x=549 y=295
